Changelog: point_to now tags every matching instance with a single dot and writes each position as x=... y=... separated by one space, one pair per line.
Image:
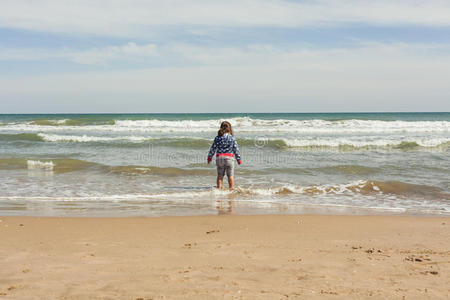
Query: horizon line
x=187 y=113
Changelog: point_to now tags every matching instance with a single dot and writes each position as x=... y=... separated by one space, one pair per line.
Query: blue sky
x=224 y=56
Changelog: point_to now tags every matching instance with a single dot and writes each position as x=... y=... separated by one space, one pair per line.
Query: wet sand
x=225 y=257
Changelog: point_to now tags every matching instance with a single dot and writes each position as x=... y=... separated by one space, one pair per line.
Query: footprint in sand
x=189 y=245
x=430 y=272
x=417 y=259
x=295 y=260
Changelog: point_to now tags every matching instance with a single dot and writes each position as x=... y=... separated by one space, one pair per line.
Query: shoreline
x=226 y=256
x=233 y=214
x=220 y=207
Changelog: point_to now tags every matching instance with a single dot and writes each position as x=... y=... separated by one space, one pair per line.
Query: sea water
x=155 y=164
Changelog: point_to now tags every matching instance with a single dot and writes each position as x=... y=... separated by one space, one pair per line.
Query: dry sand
x=225 y=257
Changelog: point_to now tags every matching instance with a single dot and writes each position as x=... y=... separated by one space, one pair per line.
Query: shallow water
x=155 y=164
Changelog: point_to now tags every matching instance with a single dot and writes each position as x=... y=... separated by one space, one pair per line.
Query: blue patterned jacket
x=224 y=144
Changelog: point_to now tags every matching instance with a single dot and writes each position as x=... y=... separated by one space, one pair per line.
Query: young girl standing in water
x=227 y=149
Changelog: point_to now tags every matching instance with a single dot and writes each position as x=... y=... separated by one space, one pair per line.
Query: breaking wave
x=401 y=190
x=73 y=122
x=241 y=124
x=361 y=187
x=37 y=164
x=33 y=137
x=58 y=165
x=369 y=143
x=344 y=144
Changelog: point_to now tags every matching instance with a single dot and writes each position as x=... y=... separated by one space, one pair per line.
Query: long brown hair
x=225 y=127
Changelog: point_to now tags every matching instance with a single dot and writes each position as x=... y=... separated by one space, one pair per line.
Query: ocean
x=155 y=164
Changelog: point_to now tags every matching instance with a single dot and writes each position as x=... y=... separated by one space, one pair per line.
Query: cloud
x=94 y=56
x=111 y=53
x=361 y=53
x=372 y=76
x=139 y=18
x=187 y=70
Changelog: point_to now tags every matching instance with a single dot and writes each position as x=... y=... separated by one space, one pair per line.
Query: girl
x=227 y=148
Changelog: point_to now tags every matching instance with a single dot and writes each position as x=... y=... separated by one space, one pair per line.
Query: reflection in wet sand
x=224 y=209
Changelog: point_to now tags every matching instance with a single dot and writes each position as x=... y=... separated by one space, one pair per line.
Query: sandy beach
x=225 y=257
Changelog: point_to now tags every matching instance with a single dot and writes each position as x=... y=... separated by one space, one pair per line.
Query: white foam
x=359 y=142
x=320 y=189
x=205 y=193
x=333 y=196
x=58 y=122
x=86 y=138
x=37 y=164
x=245 y=124
x=365 y=141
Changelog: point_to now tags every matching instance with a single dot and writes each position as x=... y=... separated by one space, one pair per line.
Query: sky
x=137 y=56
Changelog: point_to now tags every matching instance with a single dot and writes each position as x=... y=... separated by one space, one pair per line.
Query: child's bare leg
x=219 y=181
x=231 y=182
